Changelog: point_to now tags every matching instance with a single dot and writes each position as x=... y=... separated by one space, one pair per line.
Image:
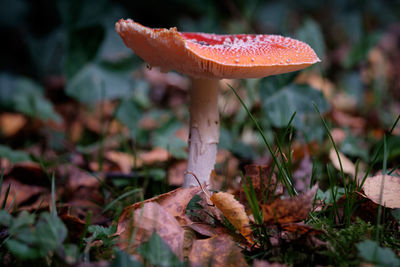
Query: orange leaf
x=390 y=193
x=234 y=212
x=11 y=124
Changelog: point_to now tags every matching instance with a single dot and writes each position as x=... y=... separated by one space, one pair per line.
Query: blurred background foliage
x=68 y=49
x=81 y=106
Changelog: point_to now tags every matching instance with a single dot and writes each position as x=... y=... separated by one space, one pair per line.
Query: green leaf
x=23 y=220
x=310 y=32
x=270 y=85
x=26 y=96
x=5 y=218
x=102 y=233
x=22 y=250
x=281 y=105
x=13 y=156
x=371 y=251
x=50 y=232
x=123 y=259
x=166 y=137
x=129 y=113
x=45 y=53
x=94 y=83
x=82 y=48
x=327 y=196
x=99 y=231
x=157 y=252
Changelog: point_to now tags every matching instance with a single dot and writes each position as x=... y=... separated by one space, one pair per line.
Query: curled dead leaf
x=390 y=192
x=289 y=210
x=234 y=212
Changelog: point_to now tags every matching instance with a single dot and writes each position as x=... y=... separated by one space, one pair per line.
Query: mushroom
x=207 y=58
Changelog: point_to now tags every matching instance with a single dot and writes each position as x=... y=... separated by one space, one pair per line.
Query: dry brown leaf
x=216 y=251
x=157 y=78
x=391 y=190
x=263 y=263
x=207 y=229
x=21 y=194
x=318 y=82
x=344 y=119
x=158 y=154
x=176 y=173
x=188 y=237
x=77 y=177
x=348 y=166
x=11 y=123
x=124 y=161
x=173 y=202
x=262 y=183
x=234 y=212
x=289 y=210
x=143 y=222
x=300 y=229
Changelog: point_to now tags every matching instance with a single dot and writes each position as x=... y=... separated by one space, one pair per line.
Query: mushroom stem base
x=204 y=131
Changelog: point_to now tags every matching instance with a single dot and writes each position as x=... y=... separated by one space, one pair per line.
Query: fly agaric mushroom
x=207 y=58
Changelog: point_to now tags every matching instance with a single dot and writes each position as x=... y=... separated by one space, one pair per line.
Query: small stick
x=197 y=179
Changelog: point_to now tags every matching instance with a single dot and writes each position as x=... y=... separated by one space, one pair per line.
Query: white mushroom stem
x=204 y=131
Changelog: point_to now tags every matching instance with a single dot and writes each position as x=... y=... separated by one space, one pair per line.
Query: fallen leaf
x=188 y=237
x=263 y=183
x=348 y=166
x=158 y=154
x=234 y=212
x=137 y=228
x=264 y=263
x=176 y=173
x=29 y=173
x=300 y=229
x=11 y=123
x=74 y=225
x=157 y=78
x=390 y=193
x=338 y=135
x=207 y=229
x=318 y=82
x=23 y=195
x=174 y=202
x=124 y=161
x=216 y=251
x=346 y=120
x=77 y=177
x=289 y=210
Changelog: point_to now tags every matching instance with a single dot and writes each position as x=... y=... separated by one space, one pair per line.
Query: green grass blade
x=124 y=195
x=286 y=181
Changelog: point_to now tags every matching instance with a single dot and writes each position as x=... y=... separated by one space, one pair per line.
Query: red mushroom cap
x=216 y=56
